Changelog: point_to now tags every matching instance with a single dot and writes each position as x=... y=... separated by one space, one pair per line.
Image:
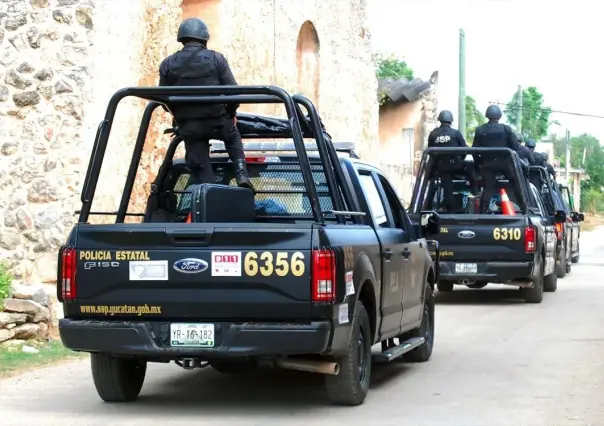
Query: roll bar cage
x=421 y=185
x=166 y=96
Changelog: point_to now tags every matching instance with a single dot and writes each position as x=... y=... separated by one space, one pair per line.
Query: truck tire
x=535 y=293
x=234 y=367
x=445 y=286
x=575 y=259
x=426 y=330
x=561 y=267
x=351 y=385
x=569 y=262
x=117 y=379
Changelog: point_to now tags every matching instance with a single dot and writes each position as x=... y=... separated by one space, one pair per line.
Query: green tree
x=535 y=116
x=474 y=118
x=391 y=67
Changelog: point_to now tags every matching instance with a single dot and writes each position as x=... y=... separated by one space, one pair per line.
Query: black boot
x=242 y=177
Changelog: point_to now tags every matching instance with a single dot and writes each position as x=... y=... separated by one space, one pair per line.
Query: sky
x=555 y=46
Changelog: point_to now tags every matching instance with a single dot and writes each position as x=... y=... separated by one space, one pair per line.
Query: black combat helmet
x=493 y=112
x=193 y=28
x=519 y=137
x=545 y=156
x=531 y=143
x=445 y=117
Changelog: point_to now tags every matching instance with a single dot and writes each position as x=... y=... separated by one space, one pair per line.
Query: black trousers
x=490 y=169
x=447 y=169
x=197 y=135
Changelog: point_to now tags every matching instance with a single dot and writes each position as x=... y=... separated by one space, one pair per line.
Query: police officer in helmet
x=540 y=159
x=196 y=65
x=449 y=165
x=494 y=135
x=525 y=153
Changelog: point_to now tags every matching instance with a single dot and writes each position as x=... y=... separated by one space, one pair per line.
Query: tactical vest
x=492 y=135
x=196 y=68
x=446 y=137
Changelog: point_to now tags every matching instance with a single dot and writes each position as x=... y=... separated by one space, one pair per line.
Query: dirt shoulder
x=20 y=356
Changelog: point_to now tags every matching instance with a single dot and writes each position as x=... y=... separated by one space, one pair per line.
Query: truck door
x=391 y=247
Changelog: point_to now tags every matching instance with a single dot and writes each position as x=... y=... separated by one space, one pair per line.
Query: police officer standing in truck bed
x=448 y=165
x=196 y=65
x=494 y=135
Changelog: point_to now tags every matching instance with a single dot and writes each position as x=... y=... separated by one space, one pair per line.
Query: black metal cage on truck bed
x=426 y=176
x=297 y=126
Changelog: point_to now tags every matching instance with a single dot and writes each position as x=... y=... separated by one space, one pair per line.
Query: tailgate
x=479 y=238
x=205 y=271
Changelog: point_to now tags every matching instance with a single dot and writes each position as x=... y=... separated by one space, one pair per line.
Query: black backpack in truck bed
x=222 y=203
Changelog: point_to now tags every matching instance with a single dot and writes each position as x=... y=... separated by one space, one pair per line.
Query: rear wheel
x=561 y=266
x=426 y=330
x=445 y=286
x=575 y=259
x=117 y=379
x=535 y=293
x=351 y=385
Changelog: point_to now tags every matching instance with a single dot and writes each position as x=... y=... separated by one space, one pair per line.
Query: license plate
x=192 y=335
x=466 y=268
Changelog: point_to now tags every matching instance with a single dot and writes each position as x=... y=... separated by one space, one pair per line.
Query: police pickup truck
x=553 y=201
x=477 y=249
x=307 y=274
x=575 y=219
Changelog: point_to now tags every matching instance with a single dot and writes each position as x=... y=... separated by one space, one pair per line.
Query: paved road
x=497 y=361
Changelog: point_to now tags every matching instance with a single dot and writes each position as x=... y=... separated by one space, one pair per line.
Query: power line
x=579 y=114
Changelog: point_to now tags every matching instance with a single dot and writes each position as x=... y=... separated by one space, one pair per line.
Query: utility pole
x=519 y=110
x=462 y=82
x=567 y=161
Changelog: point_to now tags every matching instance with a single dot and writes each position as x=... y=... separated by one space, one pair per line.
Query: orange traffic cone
x=188 y=218
x=506 y=205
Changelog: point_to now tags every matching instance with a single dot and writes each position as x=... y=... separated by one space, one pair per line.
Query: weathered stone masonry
x=43 y=90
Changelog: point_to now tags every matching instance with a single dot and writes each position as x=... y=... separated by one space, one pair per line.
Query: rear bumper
x=494 y=272
x=151 y=339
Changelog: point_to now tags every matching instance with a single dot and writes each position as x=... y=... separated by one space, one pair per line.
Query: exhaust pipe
x=321 y=367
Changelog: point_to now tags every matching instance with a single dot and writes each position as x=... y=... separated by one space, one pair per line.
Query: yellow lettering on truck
x=95 y=255
x=132 y=255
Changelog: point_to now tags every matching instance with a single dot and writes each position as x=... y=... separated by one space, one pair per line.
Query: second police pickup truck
x=477 y=249
x=307 y=274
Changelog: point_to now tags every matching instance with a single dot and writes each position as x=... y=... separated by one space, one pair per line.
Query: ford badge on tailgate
x=190 y=266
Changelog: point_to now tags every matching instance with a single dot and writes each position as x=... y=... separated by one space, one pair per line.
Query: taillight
x=68 y=274
x=559 y=230
x=323 y=276
x=530 y=239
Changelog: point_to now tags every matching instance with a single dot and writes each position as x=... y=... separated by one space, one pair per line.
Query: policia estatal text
x=196 y=65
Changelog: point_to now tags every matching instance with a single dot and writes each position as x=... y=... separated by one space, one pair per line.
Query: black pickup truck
x=308 y=273
x=477 y=249
x=567 y=231
x=574 y=219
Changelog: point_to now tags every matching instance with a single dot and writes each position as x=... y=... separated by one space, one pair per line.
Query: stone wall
x=29 y=313
x=43 y=91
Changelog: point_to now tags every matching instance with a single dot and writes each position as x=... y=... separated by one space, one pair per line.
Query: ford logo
x=190 y=266
x=466 y=235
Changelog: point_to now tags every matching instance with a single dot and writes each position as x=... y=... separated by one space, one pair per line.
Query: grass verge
x=13 y=360
x=591 y=222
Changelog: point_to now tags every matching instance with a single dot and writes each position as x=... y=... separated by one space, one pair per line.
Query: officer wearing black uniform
x=548 y=166
x=540 y=160
x=196 y=65
x=449 y=165
x=525 y=153
x=494 y=135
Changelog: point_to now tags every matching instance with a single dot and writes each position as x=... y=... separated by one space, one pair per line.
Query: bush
x=592 y=201
x=5 y=283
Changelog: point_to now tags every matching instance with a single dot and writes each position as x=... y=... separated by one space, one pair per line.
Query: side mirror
x=577 y=217
x=430 y=223
x=560 y=216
